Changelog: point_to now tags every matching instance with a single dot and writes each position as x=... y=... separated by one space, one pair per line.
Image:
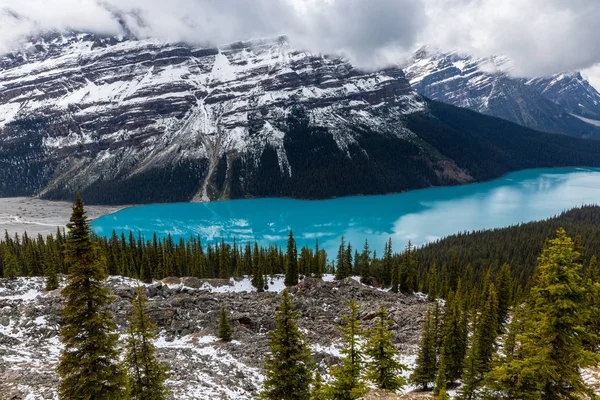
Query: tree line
x=474 y=340
x=498 y=337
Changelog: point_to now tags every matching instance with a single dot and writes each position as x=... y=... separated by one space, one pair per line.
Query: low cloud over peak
x=541 y=36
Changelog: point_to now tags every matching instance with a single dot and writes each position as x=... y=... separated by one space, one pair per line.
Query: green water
x=419 y=216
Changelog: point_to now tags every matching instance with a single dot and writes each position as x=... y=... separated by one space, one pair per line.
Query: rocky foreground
x=187 y=311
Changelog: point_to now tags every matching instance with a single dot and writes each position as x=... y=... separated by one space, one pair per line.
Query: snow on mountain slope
x=485 y=85
x=105 y=108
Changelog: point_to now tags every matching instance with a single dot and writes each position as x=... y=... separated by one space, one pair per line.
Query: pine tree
x=51 y=276
x=408 y=271
x=365 y=265
x=258 y=279
x=487 y=331
x=551 y=345
x=454 y=337
x=291 y=271
x=225 y=332
x=432 y=289
x=146 y=374
x=343 y=269
x=318 y=389
x=88 y=365
x=426 y=364
x=441 y=380
x=288 y=366
x=592 y=270
x=504 y=295
x=347 y=381
x=470 y=378
x=383 y=369
x=11 y=266
x=388 y=265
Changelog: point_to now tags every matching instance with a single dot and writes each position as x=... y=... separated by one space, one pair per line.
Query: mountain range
x=123 y=120
x=564 y=103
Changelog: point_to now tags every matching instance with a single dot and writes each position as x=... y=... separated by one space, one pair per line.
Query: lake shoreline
x=39 y=216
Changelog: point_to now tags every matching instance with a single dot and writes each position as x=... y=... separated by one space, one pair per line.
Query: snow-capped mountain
x=124 y=120
x=565 y=103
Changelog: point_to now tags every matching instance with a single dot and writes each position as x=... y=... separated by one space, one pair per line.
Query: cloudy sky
x=542 y=36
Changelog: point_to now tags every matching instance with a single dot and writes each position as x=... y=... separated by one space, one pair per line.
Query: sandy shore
x=34 y=216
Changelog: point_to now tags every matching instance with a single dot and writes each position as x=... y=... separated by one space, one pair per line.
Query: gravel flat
x=35 y=216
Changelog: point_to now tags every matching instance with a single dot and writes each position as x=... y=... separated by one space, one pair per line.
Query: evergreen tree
x=470 y=378
x=318 y=389
x=11 y=266
x=432 y=288
x=288 y=366
x=51 y=276
x=347 y=382
x=225 y=332
x=551 y=349
x=343 y=269
x=291 y=271
x=258 y=279
x=454 y=337
x=146 y=374
x=487 y=331
x=441 y=380
x=383 y=369
x=387 y=263
x=592 y=270
x=503 y=294
x=88 y=365
x=365 y=265
x=426 y=364
x=408 y=271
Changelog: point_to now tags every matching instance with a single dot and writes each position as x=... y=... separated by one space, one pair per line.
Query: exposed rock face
x=202 y=367
x=79 y=111
x=551 y=104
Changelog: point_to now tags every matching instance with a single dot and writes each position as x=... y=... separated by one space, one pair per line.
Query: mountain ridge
x=553 y=104
x=139 y=121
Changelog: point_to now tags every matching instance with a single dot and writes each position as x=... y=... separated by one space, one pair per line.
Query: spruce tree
x=454 y=337
x=291 y=262
x=503 y=294
x=383 y=369
x=551 y=351
x=487 y=331
x=343 y=268
x=365 y=265
x=146 y=374
x=426 y=363
x=387 y=263
x=470 y=378
x=441 y=380
x=225 y=332
x=288 y=366
x=11 y=266
x=347 y=382
x=89 y=363
x=318 y=389
x=51 y=275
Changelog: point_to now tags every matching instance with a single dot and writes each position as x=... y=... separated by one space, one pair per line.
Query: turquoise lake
x=420 y=215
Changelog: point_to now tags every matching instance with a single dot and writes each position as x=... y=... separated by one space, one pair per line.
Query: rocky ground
x=186 y=311
x=35 y=216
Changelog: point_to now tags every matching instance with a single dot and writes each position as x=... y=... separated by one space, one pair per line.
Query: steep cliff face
x=123 y=121
x=553 y=104
x=80 y=111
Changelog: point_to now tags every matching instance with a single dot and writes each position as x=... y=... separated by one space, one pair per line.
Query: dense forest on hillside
x=437 y=267
x=518 y=245
x=372 y=161
x=547 y=298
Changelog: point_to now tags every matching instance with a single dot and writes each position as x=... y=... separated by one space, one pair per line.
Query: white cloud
x=542 y=36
